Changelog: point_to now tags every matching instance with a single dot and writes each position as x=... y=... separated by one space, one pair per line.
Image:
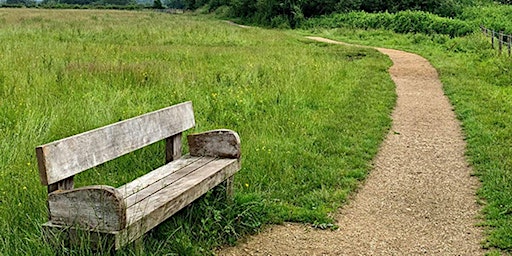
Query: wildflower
x=246 y=185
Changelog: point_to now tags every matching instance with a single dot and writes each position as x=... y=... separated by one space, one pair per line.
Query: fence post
x=509 y=42
x=500 y=39
x=492 y=39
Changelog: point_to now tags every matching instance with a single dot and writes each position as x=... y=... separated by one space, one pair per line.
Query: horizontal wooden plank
x=153 y=210
x=64 y=158
x=142 y=182
x=156 y=182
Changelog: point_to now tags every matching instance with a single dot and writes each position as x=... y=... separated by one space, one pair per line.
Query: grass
x=310 y=115
x=478 y=83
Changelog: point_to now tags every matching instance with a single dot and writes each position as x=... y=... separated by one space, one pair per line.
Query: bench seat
x=173 y=186
x=152 y=198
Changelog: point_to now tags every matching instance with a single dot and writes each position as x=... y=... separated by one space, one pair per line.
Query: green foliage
x=310 y=115
x=447 y=8
x=401 y=22
x=492 y=16
x=175 y=4
x=276 y=13
x=97 y=2
x=505 y=1
x=157 y=4
x=20 y=2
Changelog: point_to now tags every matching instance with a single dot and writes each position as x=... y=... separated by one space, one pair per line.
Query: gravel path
x=420 y=197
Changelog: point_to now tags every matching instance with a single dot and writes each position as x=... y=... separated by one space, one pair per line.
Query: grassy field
x=478 y=83
x=310 y=116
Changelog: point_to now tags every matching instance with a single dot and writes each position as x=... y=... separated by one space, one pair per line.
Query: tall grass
x=310 y=116
x=478 y=84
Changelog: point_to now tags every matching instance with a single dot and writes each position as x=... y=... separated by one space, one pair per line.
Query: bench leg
x=138 y=246
x=229 y=188
x=224 y=191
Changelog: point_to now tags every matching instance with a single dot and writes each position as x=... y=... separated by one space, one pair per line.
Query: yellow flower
x=246 y=185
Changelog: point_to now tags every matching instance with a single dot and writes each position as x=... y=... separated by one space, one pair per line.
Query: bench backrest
x=65 y=158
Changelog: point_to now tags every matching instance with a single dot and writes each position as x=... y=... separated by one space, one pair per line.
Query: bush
x=494 y=16
x=263 y=12
x=401 y=22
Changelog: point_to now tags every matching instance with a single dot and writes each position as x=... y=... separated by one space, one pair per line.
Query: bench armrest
x=99 y=208
x=216 y=143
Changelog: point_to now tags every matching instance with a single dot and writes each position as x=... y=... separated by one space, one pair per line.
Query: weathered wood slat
x=93 y=207
x=64 y=158
x=150 y=212
x=159 y=182
x=216 y=143
x=142 y=182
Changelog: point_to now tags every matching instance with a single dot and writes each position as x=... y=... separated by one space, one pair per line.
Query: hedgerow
x=401 y=22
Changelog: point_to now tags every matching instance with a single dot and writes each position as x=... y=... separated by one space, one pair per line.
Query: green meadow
x=311 y=116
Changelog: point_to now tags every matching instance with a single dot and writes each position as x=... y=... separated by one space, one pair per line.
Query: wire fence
x=499 y=39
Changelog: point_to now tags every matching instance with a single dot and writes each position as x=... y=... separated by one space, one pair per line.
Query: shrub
x=401 y=22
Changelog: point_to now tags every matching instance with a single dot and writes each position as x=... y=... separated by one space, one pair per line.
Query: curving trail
x=420 y=197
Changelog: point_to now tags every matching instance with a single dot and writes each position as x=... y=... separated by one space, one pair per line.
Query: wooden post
x=492 y=38
x=225 y=191
x=138 y=246
x=229 y=188
x=500 y=45
x=509 y=43
x=173 y=148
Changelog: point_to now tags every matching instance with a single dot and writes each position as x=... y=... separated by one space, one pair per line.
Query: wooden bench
x=113 y=217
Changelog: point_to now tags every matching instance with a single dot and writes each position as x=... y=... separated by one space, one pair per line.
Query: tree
x=157 y=4
x=20 y=2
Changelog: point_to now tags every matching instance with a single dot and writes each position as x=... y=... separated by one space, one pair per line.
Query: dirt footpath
x=420 y=197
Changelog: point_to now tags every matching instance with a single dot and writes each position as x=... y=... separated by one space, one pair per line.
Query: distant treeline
x=79 y=4
x=293 y=12
x=274 y=12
